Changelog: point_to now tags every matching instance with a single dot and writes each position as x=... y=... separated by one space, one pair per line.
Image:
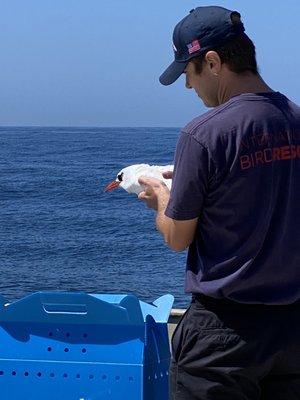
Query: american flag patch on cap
x=194 y=46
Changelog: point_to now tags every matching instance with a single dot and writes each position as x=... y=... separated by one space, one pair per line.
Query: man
x=234 y=204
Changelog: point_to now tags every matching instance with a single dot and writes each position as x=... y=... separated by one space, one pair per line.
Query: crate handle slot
x=55 y=308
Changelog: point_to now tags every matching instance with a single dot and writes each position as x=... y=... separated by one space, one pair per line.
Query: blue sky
x=97 y=62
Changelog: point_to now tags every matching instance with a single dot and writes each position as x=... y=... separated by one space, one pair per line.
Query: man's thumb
x=167 y=174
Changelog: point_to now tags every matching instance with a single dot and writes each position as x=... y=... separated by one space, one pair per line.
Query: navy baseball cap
x=202 y=29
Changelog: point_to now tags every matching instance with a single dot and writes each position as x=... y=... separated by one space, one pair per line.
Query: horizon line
x=88 y=126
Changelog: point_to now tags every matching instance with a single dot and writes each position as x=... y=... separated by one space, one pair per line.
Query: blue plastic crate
x=77 y=346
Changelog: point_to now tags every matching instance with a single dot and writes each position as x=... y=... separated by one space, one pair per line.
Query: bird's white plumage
x=131 y=174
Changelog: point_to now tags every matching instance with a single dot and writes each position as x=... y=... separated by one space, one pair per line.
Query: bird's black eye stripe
x=120 y=177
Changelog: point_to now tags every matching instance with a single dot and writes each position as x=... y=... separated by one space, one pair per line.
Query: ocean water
x=60 y=231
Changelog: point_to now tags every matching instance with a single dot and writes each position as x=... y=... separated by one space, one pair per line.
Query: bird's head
x=126 y=177
x=116 y=183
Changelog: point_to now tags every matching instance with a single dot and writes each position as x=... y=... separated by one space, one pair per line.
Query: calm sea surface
x=60 y=231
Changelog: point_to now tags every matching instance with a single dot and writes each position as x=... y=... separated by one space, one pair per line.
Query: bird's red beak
x=111 y=186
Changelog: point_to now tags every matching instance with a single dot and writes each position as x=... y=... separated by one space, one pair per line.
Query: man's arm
x=178 y=235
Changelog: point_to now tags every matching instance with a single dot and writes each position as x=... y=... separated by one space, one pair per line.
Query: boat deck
x=175 y=316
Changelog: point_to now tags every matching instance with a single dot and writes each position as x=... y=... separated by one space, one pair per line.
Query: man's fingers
x=145 y=180
x=146 y=198
x=142 y=195
x=167 y=174
x=145 y=194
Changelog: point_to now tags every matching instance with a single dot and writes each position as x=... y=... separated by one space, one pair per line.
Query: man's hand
x=156 y=194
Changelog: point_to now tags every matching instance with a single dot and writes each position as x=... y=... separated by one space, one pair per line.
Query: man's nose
x=187 y=84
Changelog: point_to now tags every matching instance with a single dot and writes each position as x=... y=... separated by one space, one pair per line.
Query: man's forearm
x=178 y=235
x=167 y=228
x=162 y=223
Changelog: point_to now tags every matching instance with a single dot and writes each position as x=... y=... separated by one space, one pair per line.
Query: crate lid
x=79 y=307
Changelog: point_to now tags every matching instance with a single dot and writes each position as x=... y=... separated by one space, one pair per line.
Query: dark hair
x=238 y=54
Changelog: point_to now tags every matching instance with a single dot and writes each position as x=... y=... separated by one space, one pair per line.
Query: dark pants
x=223 y=350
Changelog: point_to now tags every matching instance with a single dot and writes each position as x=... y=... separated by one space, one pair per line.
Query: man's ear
x=214 y=62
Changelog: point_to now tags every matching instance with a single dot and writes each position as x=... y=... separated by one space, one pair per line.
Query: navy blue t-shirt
x=237 y=170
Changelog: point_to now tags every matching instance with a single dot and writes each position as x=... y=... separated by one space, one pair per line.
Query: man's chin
x=208 y=104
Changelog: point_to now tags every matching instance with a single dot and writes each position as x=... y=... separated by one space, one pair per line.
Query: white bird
x=128 y=177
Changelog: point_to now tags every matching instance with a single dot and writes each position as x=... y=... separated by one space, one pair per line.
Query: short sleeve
x=190 y=179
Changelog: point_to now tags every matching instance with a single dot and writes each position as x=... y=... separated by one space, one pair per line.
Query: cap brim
x=172 y=73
